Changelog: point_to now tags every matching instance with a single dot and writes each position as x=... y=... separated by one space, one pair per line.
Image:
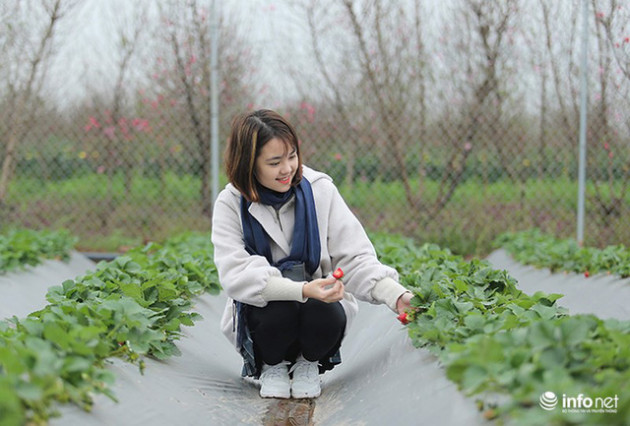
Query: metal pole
x=214 y=98
x=583 y=107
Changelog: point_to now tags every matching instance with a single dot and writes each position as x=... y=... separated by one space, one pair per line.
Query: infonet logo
x=579 y=404
x=548 y=401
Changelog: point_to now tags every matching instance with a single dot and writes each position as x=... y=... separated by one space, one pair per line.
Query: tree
x=375 y=77
x=182 y=74
x=608 y=139
x=27 y=53
x=383 y=81
x=473 y=104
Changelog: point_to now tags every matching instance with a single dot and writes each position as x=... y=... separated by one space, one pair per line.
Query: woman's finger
x=336 y=292
x=326 y=282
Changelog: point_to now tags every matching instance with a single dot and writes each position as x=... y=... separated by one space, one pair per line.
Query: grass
x=105 y=218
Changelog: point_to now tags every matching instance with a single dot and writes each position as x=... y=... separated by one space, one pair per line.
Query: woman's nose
x=286 y=166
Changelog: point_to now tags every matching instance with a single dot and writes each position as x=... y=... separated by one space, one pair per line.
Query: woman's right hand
x=316 y=289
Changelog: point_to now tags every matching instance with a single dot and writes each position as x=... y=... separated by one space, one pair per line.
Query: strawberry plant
x=506 y=347
x=22 y=247
x=131 y=308
x=534 y=248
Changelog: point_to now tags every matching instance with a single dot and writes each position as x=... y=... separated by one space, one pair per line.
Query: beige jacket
x=344 y=244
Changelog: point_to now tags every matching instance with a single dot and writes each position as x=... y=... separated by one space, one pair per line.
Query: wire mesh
x=447 y=122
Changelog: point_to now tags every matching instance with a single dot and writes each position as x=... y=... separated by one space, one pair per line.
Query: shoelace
x=278 y=370
x=307 y=371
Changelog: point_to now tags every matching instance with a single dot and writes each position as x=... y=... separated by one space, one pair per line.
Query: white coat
x=344 y=244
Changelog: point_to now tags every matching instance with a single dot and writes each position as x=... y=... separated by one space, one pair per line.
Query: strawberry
x=403 y=318
x=338 y=274
x=587 y=274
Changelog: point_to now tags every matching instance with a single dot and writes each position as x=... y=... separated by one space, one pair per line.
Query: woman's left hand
x=404 y=302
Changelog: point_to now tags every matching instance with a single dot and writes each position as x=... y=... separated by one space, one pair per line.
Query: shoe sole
x=275 y=395
x=305 y=395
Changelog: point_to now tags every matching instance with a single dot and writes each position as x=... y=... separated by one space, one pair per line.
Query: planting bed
x=471 y=332
x=383 y=377
x=604 y=295
x=25 y=291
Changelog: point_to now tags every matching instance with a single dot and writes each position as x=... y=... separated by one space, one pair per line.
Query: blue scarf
x=306 y=247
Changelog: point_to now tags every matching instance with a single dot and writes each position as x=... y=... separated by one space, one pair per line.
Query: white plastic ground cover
x=605 y=296
x=24 y=291
x=383 y=379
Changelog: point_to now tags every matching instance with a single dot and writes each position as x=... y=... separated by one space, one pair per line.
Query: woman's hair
x=249 y=133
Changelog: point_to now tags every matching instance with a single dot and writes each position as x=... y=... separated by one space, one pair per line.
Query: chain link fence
x=450 y=122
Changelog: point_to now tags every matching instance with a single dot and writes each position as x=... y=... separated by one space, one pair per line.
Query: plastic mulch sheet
x=383 y=379
x=605 y=296
x=24 y=291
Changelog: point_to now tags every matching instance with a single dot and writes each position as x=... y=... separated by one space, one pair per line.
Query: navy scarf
x=305 y=247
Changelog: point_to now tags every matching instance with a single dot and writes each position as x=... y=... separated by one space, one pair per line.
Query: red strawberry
x=403 y=318
x=338 y=274
x=587 y=274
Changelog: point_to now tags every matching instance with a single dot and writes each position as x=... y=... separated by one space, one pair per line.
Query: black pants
x=282 y=330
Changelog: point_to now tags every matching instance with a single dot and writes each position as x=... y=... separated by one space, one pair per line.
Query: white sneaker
x=306 y=383
x=274 y=381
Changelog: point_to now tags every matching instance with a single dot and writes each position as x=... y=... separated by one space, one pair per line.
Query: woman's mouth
x=284 y=180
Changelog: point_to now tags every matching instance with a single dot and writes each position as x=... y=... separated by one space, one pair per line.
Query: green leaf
x=56 y=334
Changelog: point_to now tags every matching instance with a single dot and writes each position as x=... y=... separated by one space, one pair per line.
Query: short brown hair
x=249 y=133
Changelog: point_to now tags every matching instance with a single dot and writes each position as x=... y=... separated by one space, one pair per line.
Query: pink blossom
x=109 y=131
x=94 y=122
x=606 y=146
x=467 y=146
x=338 y=157
x=140 y=124
x=100 y=170
x=203 y=12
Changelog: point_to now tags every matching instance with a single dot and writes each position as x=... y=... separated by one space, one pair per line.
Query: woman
x=279 y=230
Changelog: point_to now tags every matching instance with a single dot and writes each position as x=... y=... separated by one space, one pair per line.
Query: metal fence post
x=583 y=107
x=214 y=99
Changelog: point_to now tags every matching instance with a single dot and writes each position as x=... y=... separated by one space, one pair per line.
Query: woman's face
x=276 y=165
